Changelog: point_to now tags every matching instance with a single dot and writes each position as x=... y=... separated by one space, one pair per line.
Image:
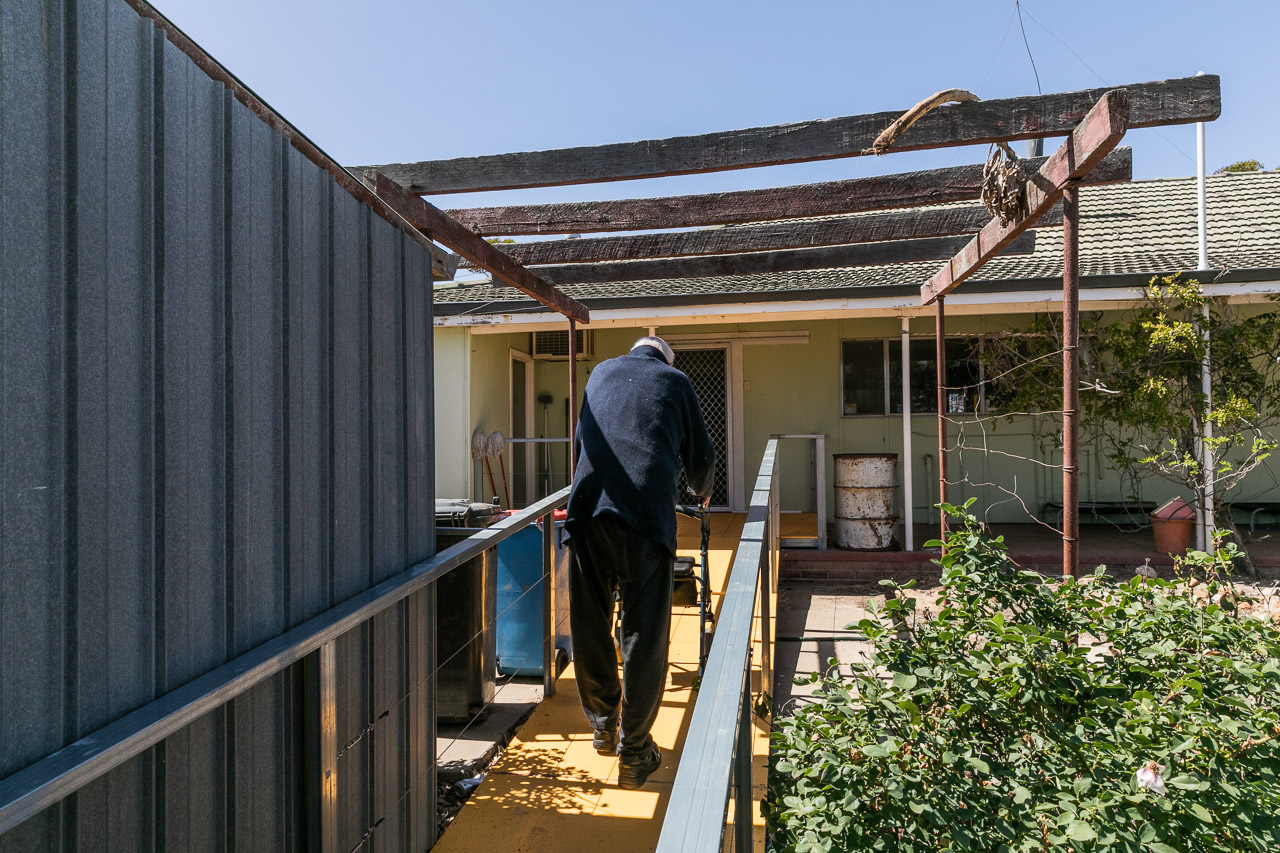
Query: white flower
x=1149 y=777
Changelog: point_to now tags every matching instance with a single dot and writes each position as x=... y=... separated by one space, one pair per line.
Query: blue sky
x=395 y=80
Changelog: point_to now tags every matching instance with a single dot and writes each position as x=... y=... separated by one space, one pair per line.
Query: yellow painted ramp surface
x=550 y=791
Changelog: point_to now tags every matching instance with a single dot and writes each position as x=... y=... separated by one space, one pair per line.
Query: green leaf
x=1078 y=830
x=904 y=680
x=1186 y=782
x=1201 y=812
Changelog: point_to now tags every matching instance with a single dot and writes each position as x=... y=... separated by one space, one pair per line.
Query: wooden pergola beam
x=756 y=263
x=434 y=223
x=1096 y=135
x=856 y=195
x=876 y=227
x=1164 y=102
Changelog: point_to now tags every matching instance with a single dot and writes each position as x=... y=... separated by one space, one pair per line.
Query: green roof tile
x=1142 y=227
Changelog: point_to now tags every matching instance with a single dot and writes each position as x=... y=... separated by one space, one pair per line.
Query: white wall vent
x=554 y=345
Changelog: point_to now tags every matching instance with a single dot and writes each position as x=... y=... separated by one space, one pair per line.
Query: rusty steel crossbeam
x=436 y=224
x=1094 y=137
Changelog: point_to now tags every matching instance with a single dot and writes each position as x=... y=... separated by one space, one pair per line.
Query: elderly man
x=640 y=420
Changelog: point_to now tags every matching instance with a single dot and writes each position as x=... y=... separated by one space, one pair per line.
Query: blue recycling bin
x=521 y=626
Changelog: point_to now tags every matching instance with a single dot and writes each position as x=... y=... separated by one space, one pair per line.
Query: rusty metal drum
x=866 y=486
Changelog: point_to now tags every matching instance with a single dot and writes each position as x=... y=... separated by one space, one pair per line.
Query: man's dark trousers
x=606 y=553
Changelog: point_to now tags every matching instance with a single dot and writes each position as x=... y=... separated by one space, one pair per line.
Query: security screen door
x=707 y=370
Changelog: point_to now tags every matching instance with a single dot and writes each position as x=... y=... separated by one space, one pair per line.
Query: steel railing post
x=766 y=629
x=742 y=809
x=321 y=736
x=548 y=523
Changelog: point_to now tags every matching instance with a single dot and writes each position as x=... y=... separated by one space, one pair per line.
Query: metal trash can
x=866 y=501
x=521 y=625
x=466 y=616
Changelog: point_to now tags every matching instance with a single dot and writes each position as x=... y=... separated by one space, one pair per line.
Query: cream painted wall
x=452 y=370
x=795 y=388
x=490 y=399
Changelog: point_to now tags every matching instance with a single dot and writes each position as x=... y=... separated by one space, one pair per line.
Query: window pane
x=862 y=369
x=962 y=376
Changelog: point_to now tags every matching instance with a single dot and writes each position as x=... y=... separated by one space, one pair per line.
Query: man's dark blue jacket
x=640 y=419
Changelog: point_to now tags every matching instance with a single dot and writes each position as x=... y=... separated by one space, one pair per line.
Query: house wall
x=796 y=388
x=453 y=412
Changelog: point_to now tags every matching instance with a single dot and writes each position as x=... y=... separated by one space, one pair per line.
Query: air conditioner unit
x=554 y=345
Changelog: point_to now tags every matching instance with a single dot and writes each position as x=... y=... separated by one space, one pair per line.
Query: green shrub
x=1017 y=718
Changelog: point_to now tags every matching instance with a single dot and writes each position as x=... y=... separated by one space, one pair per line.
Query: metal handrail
x=27 y=792
x=717 y=750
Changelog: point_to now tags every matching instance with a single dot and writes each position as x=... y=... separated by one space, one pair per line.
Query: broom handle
x=505 y=489
x=489 y=470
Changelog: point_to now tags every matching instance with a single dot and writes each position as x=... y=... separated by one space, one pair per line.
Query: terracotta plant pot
x=1173 y=536
x=1171 y=525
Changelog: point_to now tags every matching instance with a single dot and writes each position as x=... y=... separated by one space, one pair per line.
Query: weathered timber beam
x=431 y=221
x=896 y=225
x=1163 y=102
x=856 y=195
x=1096 y=135
x=755 y=263
x=443 y=265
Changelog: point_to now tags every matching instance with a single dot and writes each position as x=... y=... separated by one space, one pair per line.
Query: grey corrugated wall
x=215 y=410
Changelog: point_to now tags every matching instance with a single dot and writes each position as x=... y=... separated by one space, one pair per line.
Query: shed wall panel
x=216 y=424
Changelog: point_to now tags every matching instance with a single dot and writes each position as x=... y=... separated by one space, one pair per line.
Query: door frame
x=734 y=342
x=530 y=422
x=733 y=414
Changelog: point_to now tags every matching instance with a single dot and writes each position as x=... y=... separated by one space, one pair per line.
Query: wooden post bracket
x=1093 y=138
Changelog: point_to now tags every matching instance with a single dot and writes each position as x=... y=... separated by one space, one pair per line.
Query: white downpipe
x=1206 y=387
x=1202 y=208
x=1204 y=526
x=908 y=500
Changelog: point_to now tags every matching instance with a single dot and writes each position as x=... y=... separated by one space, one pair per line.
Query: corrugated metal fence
x=215 y=410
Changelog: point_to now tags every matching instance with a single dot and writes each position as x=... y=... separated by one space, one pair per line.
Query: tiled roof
x=1142 y=227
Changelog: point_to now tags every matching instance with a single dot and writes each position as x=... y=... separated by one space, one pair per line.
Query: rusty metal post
x=573 y=394
x=1070 y=380
x=940 y=333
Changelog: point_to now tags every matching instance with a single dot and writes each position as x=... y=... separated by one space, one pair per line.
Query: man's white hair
x=658 y=344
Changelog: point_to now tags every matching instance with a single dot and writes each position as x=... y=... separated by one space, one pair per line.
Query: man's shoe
x=605 y=741
x=634 y=770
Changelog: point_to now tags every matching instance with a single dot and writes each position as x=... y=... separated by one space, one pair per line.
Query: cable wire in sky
x=994 y=53
x=1036 y=20
x=1079 y=58
x=1017 y=5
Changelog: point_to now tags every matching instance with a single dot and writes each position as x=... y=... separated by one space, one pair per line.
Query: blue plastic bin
x=520 y=621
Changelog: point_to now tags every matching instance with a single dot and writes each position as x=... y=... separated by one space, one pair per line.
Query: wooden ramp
x=551 y=791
